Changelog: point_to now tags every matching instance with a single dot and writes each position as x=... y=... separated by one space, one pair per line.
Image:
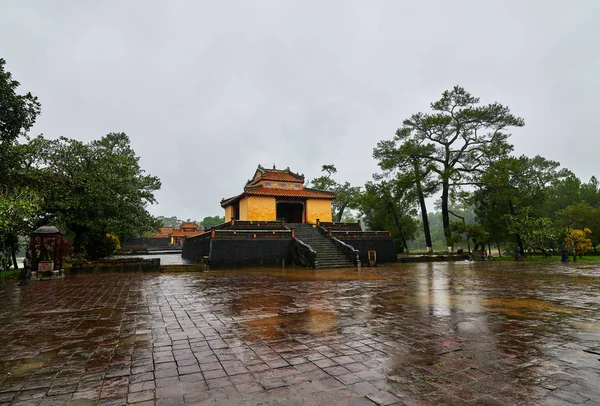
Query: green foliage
x=17 y=209
x=537 y=233
x=100 y=245
x=169 y=221
x=209 y=221
x=346 y=194
x=94 y=188
x=413 y=171
x=385 y=206
x=18 y=204
x=17 y=112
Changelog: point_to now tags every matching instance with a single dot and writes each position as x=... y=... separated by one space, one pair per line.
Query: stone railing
x=251 y=224
x=229 y=234
x=252 y=234
x=359 y=234
x=330 y=225
x=351 y=253
x=303 y=254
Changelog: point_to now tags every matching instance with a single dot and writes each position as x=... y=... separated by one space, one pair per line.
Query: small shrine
x=278 y=194
x=46 y=251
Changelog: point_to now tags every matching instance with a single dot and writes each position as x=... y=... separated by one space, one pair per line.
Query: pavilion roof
x=263 y=191
x=277 y=175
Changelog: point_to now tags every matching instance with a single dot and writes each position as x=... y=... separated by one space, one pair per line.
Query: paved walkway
x=461 y=333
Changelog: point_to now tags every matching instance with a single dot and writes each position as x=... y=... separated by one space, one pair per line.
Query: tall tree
x=463 y=139
x=209 y=221
x=18 y=113
x=95 y=188
x=346 y=194
x=406 y=164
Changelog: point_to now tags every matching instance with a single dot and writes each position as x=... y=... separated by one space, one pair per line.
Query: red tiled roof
x=277 y=175
x=189 y=225
x=313 y=193
x=263 y=191
x=280 y=177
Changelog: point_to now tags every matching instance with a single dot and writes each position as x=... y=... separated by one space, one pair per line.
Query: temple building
x=277 y=221
x=275 y=194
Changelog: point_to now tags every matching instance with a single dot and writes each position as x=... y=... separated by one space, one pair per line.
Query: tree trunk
x=340 y=214
x=13 y=243
x=13 y=252
x=77 y=239
x=517 y=235
x=499 y=251
x=399 y=225
x=424 y=217
x=445 y=214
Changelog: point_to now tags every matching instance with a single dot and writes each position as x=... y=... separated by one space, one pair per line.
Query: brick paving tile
x=336 y=370
x=264 y=337
x=140 y=396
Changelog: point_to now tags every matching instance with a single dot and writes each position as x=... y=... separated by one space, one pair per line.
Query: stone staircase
x=328 y=254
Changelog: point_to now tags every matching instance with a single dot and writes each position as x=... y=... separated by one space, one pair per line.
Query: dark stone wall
x=194 y=249
x=239 y=253
x=386 y=250
x=150 y=242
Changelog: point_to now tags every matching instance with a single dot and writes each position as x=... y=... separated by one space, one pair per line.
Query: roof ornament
x=273 y=165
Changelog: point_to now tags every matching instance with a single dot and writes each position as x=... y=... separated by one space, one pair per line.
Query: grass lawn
x=553 y=258
x=11 y=273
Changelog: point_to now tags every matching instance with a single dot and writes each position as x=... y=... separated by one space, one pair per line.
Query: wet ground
x=439 y=334
x=166 y=258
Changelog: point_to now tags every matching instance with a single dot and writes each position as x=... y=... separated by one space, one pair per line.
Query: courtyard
x=412 y=334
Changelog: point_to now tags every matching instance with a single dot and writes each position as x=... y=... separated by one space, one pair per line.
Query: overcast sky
x=208 y=90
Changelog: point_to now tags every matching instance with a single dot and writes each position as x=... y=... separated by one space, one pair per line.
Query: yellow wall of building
x=228 y=213
x=260 y=208
x=318 y=209
x=243 y=209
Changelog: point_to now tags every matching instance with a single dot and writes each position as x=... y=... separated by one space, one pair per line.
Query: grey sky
x=208 y=90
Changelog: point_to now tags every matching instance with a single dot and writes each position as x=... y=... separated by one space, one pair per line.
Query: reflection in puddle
x=527 y=307
x=311 y=321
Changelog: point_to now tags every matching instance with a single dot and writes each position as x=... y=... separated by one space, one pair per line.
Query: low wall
x=195 y=248
x=240 y=253
x=150 y=242
x=118 y=265
x=385 y=248
x=433 y=258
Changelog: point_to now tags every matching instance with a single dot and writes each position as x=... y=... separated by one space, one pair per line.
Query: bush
x=101 y=245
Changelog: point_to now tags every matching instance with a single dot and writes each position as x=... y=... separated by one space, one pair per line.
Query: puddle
x=30 y=365
x=311 y=321
x=527 y=307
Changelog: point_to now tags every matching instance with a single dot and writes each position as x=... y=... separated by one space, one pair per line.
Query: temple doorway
x=291 y=212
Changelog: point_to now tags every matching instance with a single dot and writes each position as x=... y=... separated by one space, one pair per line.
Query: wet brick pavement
x=442 y=334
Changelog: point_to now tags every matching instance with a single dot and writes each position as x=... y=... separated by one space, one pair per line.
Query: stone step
x=329 y=254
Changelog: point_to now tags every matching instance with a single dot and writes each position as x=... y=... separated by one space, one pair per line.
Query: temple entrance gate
x=291 y=212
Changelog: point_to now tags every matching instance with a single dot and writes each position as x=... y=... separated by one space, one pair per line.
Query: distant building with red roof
x=275 y=194
x=177 y=236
